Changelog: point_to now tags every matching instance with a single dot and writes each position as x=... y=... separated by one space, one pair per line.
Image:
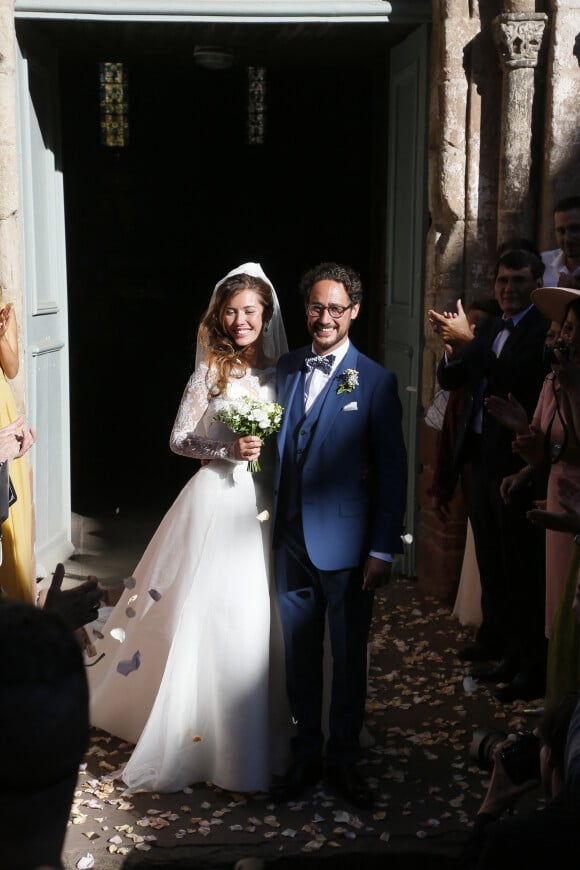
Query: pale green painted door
x=44 y=281
x=405 y=241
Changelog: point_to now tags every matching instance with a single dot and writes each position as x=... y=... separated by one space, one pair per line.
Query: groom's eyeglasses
x=335 y=311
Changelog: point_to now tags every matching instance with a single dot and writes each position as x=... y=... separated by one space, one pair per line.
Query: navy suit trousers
x=306 y=596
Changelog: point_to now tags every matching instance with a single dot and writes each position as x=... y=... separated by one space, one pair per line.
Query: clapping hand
x=508 y=412
x=15 y=439
x=512 y=483
x=566 y=520
x=452 y=328
x=530 y=446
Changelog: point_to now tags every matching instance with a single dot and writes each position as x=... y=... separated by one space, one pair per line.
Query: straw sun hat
x=553 y=301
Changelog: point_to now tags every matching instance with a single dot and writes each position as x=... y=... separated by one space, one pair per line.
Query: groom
x=339 y=503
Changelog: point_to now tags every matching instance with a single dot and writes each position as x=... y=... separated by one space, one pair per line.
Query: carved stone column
x=519 y=38
x=561 y=146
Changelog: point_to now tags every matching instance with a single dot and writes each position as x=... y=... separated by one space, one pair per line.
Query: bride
x=190 y=662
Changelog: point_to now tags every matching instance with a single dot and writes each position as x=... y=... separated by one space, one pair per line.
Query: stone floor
x=421 y=712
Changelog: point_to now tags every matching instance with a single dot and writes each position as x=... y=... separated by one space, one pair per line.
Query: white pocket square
x=352 y=406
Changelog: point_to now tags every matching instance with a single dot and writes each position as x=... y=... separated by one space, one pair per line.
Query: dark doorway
x=152 y=227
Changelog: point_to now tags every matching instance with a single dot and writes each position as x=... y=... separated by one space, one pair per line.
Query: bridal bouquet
x=246 y=416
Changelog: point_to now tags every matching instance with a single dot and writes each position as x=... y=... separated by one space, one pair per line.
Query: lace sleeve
x=189 y=436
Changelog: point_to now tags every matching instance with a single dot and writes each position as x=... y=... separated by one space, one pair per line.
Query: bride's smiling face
x=243 y=317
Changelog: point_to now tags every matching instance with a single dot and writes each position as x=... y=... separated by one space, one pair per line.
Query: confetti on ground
x=421 y=718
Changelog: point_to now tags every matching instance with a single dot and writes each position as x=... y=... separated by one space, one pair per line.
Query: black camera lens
x=521 y=758
x=483 y=746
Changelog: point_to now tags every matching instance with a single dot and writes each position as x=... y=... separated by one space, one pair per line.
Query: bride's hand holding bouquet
x=252 y=420
x=247 y=447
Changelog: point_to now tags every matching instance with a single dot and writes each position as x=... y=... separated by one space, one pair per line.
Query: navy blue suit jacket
x=519 y=370
x=354 y=473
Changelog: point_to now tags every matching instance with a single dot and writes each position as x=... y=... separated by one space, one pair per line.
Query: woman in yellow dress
x=17 y=569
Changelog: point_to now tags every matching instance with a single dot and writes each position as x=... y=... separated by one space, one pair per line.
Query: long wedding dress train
x=193 y=671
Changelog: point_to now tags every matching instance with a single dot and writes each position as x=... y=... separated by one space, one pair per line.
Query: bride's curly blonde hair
x=224 y=358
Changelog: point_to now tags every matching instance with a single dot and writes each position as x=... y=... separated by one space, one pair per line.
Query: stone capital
x=518 y=36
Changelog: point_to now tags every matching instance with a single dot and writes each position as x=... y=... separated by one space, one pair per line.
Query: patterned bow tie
x=324 y=363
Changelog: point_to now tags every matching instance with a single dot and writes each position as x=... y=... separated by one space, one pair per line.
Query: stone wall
x=504 y=146
x=560 y=172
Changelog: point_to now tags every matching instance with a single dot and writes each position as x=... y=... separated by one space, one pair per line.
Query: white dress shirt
x=554 y=266
x=316 y=380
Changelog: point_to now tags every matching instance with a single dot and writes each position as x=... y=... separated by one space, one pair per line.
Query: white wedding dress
x=195 y=674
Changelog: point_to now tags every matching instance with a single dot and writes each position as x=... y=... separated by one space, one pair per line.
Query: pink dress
x=559 y=545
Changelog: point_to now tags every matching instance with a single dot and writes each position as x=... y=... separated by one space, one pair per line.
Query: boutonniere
x=348 y=381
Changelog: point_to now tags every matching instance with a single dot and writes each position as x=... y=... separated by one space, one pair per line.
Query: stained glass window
x=114 y=104
x=256 y=118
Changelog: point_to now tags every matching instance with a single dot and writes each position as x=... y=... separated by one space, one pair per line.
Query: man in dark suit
x=339 y=504
x=505 y=358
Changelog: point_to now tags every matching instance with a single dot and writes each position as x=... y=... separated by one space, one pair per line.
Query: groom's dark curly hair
x=333 y=272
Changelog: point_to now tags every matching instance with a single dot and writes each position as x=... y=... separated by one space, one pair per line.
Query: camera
x=520 y=756
x=550 y=357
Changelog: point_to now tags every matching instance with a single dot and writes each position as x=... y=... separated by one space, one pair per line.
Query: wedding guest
x=456 y=331
x=15 y=440
x=563 y=673
x=552 y=438
x=562 y=265
x=339 y=503
x=17 y=568
x=467 y=606
x=545 y=837
x=44 y=729
x=447 y=473
x=184 y=667
x=505 y=357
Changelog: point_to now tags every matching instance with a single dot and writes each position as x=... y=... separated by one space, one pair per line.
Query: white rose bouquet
x=246 y=416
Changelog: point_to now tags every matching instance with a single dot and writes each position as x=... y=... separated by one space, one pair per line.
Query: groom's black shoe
x=297 y=779
x=501 y=671
x=348 y=781
x=478 y=652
